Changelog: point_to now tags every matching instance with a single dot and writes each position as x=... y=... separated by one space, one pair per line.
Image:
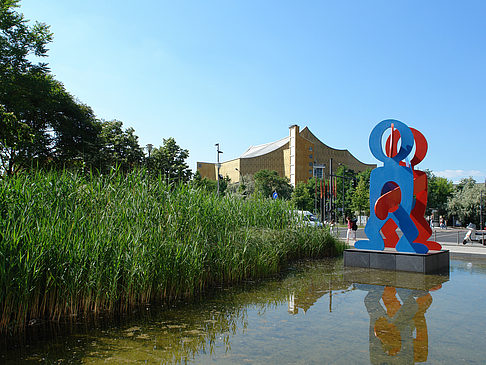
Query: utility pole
x=322 y=201
x=481 y=209
x=330 y=189
x=218 y=164
x=344 y=214
x=481 y=213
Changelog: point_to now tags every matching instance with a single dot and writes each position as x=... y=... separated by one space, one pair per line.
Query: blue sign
x=275 y=195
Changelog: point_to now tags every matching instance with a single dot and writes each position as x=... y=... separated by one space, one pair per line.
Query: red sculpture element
x=389 y=231
x=389 y=201
x=420 y=188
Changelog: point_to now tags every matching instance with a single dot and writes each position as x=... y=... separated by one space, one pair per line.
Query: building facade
x=299 y=157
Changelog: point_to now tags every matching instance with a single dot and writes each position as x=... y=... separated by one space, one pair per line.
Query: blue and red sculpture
x=398 y=192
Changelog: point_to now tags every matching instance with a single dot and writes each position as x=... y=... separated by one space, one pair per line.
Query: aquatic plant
x=74 y=244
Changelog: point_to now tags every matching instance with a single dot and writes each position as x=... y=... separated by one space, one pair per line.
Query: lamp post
x=481 y=213
x=330 y=189
x=218 y=164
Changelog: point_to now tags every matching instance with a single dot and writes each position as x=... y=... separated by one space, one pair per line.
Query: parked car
x=307 y=218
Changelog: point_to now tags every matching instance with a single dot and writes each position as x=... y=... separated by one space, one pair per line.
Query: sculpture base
x=390 y=259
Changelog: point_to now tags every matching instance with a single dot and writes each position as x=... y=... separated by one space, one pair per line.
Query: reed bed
x=72 y=244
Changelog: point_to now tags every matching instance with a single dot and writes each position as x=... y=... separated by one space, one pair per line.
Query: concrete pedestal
x=389 y=259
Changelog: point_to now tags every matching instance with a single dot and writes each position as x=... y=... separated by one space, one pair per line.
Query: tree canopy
x=19 y=41
x=440 y=190
x=360 y=200
x=465 y=201
x=304 y=195
x=266 y=182
x=169 y=160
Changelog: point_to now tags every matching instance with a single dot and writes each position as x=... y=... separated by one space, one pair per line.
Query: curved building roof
x=263 y=149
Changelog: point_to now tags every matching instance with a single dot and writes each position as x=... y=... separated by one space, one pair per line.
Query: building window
x=199 y=165
x=310 y=156
x=310 y=148
x=311 y=164
x=319 y=170
x=310 y=172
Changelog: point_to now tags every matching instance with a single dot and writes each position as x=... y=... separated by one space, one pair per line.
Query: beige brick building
x=299 y=157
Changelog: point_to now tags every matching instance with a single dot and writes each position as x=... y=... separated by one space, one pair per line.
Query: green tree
x=465 y=201
x=266 y=182
x=61 y=130
x=119 y=147
x=19 y=45
x=14 y=137
x=360 y=200
x=439 y=191
x=303 y=195
x=45 y=124
x=170 y=161
x=19 y=42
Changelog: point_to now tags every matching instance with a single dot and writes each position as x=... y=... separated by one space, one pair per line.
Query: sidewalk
x=475 y=250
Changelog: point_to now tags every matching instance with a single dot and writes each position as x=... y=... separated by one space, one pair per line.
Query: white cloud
x=457 y=175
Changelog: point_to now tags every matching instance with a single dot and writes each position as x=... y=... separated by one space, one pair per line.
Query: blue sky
x=239 y=73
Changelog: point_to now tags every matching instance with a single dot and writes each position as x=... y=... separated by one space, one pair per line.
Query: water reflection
x=398 y=328
x=309 y=315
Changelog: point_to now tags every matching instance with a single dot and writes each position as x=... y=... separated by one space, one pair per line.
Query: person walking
x=352 y=227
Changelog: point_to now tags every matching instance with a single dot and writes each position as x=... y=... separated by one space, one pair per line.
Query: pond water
x=317 y=312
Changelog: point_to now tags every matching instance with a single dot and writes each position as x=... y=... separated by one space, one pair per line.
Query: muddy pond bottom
x=317 y=312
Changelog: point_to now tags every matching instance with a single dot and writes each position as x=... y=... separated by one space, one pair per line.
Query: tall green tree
x=303 y=195
x=360 y=200
x=14 y=138
x=119 y=147
x=61 y=130
x=41 y=122
x=20 y=42
x=266 y=182
x=439 y=191
x=465 y=201
x=170 y=161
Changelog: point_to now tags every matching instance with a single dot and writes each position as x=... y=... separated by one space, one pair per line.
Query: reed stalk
x=73 y=244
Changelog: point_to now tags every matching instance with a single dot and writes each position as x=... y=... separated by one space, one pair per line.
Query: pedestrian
x=441 y=222
x=352 y=227
x=331 y=226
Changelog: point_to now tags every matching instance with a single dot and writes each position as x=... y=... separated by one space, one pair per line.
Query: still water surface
x=316 y=313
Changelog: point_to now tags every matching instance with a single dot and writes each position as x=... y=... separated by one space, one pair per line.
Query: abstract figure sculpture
x=398 y=192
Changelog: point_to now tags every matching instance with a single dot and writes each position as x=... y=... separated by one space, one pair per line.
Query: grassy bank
x=71 y=244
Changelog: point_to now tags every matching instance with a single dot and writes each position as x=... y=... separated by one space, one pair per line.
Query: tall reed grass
x=72 y=244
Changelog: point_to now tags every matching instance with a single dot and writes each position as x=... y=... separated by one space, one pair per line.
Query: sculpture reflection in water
x=398 y=328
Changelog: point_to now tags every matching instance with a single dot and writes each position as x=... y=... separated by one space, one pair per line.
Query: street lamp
x=218 y=164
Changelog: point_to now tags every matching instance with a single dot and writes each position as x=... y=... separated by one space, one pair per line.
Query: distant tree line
x=42 y=125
